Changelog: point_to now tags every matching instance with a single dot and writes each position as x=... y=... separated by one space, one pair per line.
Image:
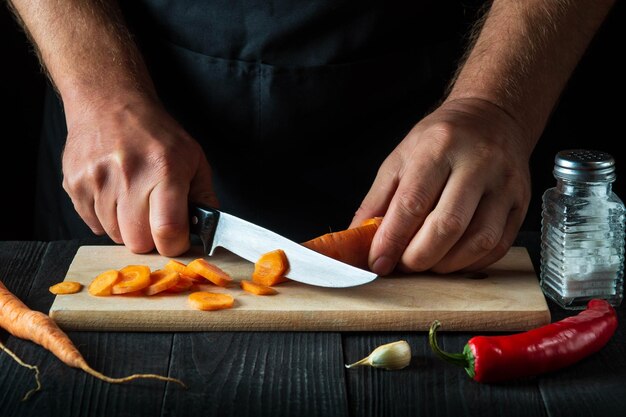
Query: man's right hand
x=130 y=169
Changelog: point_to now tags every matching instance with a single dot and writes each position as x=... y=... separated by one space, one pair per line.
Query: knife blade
x=249 y=241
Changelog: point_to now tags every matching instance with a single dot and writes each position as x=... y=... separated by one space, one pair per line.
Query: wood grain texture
x=509 y=298
x=258 y=374
x=429 y=386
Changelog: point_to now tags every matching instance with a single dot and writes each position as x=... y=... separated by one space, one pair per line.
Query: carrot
x=183 y=269
x=103 y=283
x=20 y=321
x=204 y=300
x=132 y=278
x=66 y=287
x=183 y=284
x=351 y=246
x=209 y=271
x=271 y=268
x=161 y=280
x=256 y=288
x=372 y=220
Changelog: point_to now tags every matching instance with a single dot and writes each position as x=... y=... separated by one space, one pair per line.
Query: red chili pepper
x=544 y=349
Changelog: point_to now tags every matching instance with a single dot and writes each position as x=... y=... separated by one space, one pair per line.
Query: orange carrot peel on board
x=19 y=320
x=351 y=246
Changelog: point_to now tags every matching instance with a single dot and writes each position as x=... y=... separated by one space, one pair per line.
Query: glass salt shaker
x=582 y=231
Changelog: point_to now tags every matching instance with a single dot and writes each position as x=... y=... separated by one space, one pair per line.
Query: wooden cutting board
x=506 y=297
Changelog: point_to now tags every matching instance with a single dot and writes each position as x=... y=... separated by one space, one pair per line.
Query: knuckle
x=413 y=203
x=449 y=225
x=485 y=240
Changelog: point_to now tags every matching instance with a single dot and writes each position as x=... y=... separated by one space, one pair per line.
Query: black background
x=589 y=115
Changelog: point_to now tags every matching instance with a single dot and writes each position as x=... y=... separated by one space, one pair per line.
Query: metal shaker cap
x=584 y=165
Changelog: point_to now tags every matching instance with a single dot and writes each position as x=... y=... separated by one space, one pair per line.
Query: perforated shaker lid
x=584 y=165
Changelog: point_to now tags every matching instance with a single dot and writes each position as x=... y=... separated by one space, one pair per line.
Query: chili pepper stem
x=459 y=359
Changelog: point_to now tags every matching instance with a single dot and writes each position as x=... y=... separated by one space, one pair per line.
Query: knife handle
x=203 y=222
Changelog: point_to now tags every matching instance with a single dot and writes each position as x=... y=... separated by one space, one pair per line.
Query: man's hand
x=130 y=169
x=454 y=192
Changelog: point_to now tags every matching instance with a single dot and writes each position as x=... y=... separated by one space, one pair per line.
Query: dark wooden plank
x=258 y=374
x=68 y=391
x=596 y=386
x=429 y=386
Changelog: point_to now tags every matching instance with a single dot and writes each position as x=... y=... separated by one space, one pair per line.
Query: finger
x=86 y=210
x=513 y=224
x=481 y=237
x=380 y=193
x=169 y=222
x=445 y=225
x=105 y=207
x=201 y=189
x=133 y=219
x=415 y=196
x=84 y=206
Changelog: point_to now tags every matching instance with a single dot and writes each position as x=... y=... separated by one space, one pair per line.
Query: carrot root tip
x=25 y=365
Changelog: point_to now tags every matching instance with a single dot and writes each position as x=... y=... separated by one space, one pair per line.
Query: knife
x=217 y=228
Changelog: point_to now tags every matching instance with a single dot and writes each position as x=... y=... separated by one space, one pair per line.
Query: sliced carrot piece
x=66 y=287
x=183 y=269
x=182 y=285
x=204 y=300
x=132 y=278
x=256 y=288
x=103 y=283
x=271 y=268
x=161 y=280
x=209 y=271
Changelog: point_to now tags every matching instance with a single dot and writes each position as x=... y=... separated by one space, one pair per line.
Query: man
x=284 y=112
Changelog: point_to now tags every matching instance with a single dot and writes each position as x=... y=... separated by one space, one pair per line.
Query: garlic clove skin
x=391 y=356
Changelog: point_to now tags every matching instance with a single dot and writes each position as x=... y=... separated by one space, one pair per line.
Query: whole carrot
x=19 y=320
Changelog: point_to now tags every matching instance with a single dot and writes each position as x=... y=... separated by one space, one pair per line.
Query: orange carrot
x=132 y=278
x=161 y=280
x=103 y=283
x=271 y=268
x=182 y=285
x=183 y=269
x=256 y=288
x=204 y=300
x=351 y=246
x=19 y=320
x=372 y=220
x=209 y=271
x=66 y=287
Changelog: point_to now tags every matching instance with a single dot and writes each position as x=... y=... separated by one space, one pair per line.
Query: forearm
x=524 y=55
x=85 y=49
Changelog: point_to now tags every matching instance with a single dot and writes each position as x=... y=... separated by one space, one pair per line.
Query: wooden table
x=277 y=373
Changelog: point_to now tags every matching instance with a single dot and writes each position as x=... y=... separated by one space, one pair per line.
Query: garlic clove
x=391 y=356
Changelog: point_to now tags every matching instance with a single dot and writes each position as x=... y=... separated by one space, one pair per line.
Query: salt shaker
x=582 y=231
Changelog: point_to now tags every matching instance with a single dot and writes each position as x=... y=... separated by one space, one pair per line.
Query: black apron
x=296 y=103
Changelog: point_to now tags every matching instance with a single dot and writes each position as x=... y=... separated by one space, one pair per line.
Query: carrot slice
x=161 y=280
x=209 y=271
x=66 y=287
x=271 y=268
x=183 y=269
x=256 y=288
x=204 y=300
x=182 y=285
x=132 y=278
x=103 y=283
x=351 y=246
